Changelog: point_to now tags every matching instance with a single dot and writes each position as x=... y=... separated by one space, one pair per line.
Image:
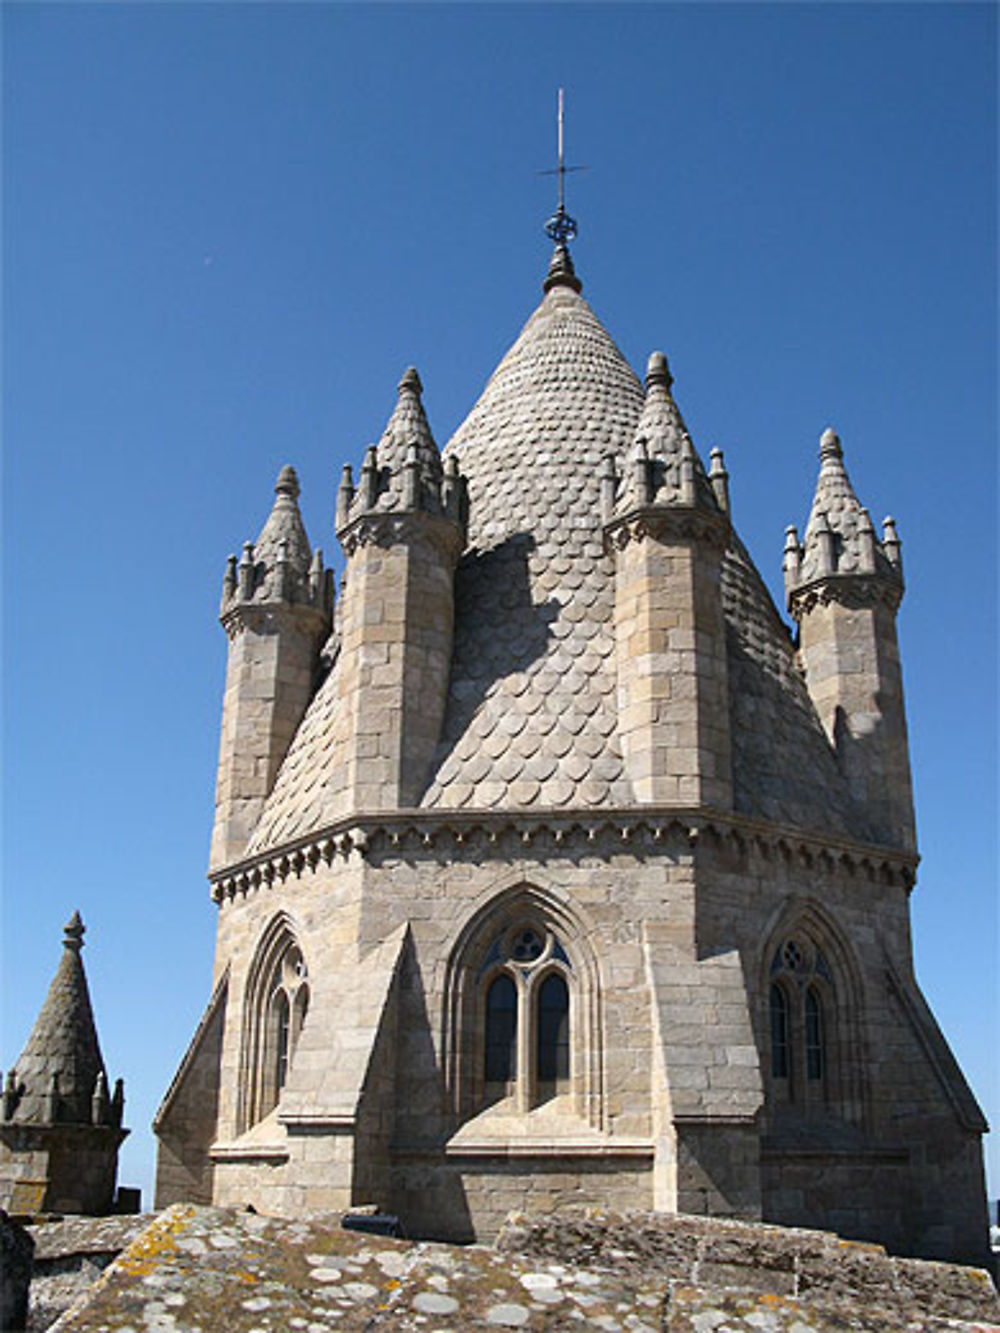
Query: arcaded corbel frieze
x=387 y=528
x=853 y=591
x=669 y=831
x=665 y=523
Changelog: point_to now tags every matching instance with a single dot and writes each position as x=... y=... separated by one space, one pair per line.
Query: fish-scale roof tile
x=531 y=708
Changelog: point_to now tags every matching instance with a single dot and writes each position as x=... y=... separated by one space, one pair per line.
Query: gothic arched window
x=801 y=994
x=501 y=1031
x=779 y=1032
x=522 y=1009
x=552 y=1040
x=526 y=981
x=815 y=1062
x=276 y=1007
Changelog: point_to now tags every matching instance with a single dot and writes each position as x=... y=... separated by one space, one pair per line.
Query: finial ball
x=288 y=482
x=658 y=370
x=411 y=381
x=829 y=444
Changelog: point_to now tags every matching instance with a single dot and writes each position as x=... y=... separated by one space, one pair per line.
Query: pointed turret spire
x=284 y=524
x=665 y=467
x=404 y=470
x=839 y=537
x=62 y=1057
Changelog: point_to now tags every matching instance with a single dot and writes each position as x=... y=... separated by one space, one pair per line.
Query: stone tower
x=60 y=1128
x=553 y=868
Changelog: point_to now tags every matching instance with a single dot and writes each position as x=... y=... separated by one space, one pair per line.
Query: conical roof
x=531 y=710
x=408 y=432
x=531 y=718
x=284 y=524
x=63 y=1042
x=837 y=509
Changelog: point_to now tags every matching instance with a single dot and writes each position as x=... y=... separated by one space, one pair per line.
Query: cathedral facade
x=551 y=866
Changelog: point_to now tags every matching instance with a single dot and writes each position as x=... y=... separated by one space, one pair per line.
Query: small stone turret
x=402 y=532
x=277 y=604
x=59 y=1133
x=844 y=587
x=667 y=523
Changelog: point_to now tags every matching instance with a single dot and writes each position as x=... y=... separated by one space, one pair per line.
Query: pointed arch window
x=801 y=1001
x=526 y=980
x=277 y=1004
x=780 y=1061
x=501 y=1030
x=815 y=1054
x=552 y=1039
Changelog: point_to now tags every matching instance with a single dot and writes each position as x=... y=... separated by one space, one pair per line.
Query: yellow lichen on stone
x=159 y=1239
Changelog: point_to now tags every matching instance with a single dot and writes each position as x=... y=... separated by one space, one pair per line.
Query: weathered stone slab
x=16 y=1248
x=210 y=1269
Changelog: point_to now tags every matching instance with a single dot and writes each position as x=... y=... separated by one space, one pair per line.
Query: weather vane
x=560 y=226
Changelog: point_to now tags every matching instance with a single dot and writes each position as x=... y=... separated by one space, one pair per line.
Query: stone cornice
x=667 y=523
x=240 y=616
x=555 y=831
x=854 y=591
x=391 y=527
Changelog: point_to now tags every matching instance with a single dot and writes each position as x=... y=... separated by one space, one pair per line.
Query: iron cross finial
x=560 y=226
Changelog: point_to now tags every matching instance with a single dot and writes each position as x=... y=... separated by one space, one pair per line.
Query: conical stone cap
x=531 y=711
x=284 y=524
x=407 y=429
x=837 y=508
x=662 y=437
x=62 y=1042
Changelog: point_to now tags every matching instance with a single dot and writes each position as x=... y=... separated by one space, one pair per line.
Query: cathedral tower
x=557 y=870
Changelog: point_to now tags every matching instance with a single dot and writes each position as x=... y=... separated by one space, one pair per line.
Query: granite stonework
x=60 y=1130
x=208 y=1268
x=551 y=868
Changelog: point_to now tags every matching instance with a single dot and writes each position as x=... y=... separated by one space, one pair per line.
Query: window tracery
x=276 y=1009
x=522 y=1010
x=810 y=1018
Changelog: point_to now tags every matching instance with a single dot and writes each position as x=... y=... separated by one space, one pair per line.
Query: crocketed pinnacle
x=839 y=537
x=662 y=439
x=62 y=1051
x=284 y=524
x=407 y=430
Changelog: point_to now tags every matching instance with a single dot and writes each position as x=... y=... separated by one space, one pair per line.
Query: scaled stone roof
x=531 y=717
x=531 y=713
x=63 y=1042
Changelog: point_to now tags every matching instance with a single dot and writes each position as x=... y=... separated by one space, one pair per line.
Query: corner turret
x=665 y=523
x=844 y=587
x=277 y=606
x=402 y=531
x=59 y=1132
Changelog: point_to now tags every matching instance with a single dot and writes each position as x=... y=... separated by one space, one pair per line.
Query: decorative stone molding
x=663 y=523
x=670 y=831
x=853 y=591
x=389 y=528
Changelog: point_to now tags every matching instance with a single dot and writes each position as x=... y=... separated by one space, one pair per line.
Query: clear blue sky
x=226 y=230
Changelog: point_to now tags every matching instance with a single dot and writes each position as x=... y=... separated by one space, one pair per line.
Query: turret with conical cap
x=402 y=532
x=56 y=1113
x=668 y=532
x=844 y=587
x=277 y=605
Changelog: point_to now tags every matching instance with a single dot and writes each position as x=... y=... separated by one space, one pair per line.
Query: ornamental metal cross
x=560 y=226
